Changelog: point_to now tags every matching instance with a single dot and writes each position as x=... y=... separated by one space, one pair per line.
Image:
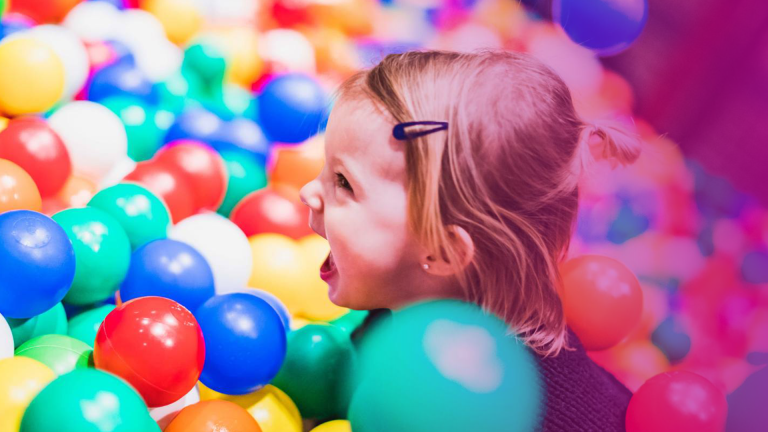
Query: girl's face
x=359 y=204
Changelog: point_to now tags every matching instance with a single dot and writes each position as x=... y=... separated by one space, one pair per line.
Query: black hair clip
x=401 y=134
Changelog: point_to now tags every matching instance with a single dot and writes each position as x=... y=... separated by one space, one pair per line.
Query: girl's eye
x=342 y=182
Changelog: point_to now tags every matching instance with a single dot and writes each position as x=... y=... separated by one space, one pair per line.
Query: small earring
x=425 y=266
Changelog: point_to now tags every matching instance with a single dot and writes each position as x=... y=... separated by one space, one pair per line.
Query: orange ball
x=297 y=166
x=17 y=189
x=213 y=416
x=602 y=299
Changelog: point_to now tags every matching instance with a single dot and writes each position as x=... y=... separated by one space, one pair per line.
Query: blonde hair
x=506 y=171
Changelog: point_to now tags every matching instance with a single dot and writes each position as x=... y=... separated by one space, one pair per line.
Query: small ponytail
x=605 y=140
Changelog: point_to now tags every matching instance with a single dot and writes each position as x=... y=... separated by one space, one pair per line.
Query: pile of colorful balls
x=157 y=271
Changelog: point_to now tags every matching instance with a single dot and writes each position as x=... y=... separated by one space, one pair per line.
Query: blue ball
x=9 y=26
x=243 y=135
x=245 y=343
x=604 y=26
x=754 y=268
x=171 y=269
x=291 y=108
x=195 y=124
x=672 y=340
x=37 y=263
x=121 y=78
x=276 y=304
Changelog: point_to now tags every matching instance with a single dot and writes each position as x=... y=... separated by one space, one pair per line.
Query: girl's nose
x=310 y=196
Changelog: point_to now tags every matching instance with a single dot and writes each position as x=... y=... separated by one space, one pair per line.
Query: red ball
x=31 y=144
x=677 y=402
x=602 y=300
x=43 y=11
x=155 y=344
x=204 y=168
x=167 y=182
x=270 y=211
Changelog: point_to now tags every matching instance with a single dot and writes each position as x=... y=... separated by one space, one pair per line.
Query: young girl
x=477 y=204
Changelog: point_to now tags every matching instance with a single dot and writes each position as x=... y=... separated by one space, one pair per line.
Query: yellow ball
x=21 y=379
x=278 y=268
x=272 y=409
x=180 y=18
x=31 y=76
x=240 y=45
x=334 y=426
x=315 y=303
x=3 y=123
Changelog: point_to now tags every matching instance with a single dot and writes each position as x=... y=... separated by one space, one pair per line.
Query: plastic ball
x=21 y=379
x=176 y=90
x=85 y=325
x=334 y=426
x=244 y=135
x=6 y=339
x=52 y=321
x=37 y=262
x=317 y=364
x=222 y=244
x=43 y=11
x=291 y=108
x=143 y=215
x=601 y=25
x=171 y=269
x=677 y=401
x=454 y=359
x=94 y=136
x=205 y=171
x=33 y=145
x=165 y=414
x=255 y=342
x=245 y=175
x=180 y=19
x=279 y=269
x=93 y=21
x=138 y=333
x=195 y=124
x=206 y=60
x=121 y=79
x=168 y=183
x=32 y=77
x=594 y=283
x=212 y=416
x=87 y=400
x=297 y=166
x=70 y=50
x=270 y=210
x=272 y=409
x=316 y=303
x=17 y=189
x=145 y=126
x=60 y=353
x=14 y=23
x=672 y=340
x=102 y=253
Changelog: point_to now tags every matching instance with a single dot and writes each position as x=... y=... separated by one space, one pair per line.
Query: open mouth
x=328 y=269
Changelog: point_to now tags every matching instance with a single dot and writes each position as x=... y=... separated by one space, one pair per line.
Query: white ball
x=6 y=339
x=164 y=415
x=93 y=21
x=122 y=168
x=94 y=136
x=137 y=26
x=223 y=245
x=70 y=49
x=158 y=59
x=289 y=49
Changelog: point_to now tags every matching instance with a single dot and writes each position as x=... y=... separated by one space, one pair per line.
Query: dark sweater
x=580 y=395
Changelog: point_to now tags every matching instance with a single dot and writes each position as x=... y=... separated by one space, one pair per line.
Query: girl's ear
x=440 y=265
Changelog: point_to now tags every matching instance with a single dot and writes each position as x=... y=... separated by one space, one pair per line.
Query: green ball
x=233 y=101
x=60 y=353
x=102 y=253
x=206 y=61
x=145 y=126
x=176 y=90
x=446 y=366
x=317 y=363
x=3 y=7
x=87 y=400
x=85 y=325
x=143 y=215
x=52 y=321
x=350 y=321
x=245 y=176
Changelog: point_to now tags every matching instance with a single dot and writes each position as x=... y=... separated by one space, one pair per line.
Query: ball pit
x=131 y=122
